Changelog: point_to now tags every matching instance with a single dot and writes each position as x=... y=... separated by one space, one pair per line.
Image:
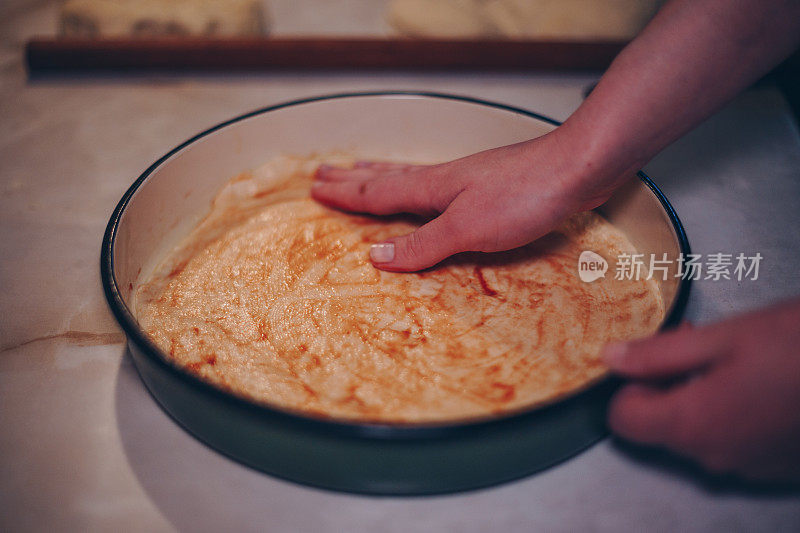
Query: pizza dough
x=273 y=298
x=574 y=19
x=528 y=19
x=149 y=18
x=440 y=18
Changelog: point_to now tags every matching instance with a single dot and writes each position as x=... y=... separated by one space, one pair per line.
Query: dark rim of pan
x=308 y=421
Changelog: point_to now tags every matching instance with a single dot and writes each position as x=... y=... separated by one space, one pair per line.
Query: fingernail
x=381 y=253
x=615 y=353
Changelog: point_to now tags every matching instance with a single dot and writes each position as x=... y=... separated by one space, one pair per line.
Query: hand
x=491 y=201
x=736 y=405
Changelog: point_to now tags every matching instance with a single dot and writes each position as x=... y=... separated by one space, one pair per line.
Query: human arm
x=693 y=57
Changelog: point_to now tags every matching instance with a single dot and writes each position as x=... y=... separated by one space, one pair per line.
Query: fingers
x=384 y=188
x=362 y=170
x=419 y=190
x=430 y=244
x=667 y=355
x=380 y=196
x=673 y=415
x=648 y=413
x=689 y=418
x=335 y=174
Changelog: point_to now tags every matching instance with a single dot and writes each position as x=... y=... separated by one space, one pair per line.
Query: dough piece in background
x=151 y=18
x=522 y=19
x=440 y=18
x=570 y=19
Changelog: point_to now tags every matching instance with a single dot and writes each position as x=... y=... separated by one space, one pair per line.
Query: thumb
x=430 y=244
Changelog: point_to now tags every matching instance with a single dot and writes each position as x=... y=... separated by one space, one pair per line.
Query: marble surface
x=83 y=447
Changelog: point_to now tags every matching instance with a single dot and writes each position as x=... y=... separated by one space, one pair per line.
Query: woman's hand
x=491 y=201
x=736 y=405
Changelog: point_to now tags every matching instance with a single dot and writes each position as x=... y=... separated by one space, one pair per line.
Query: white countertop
x=83 y=447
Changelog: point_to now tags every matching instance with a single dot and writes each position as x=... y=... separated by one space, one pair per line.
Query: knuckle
x=414 y=247
x=362 y=197
x=422 y=194
x=377 y=197
x=435 y=190
x=362 y=194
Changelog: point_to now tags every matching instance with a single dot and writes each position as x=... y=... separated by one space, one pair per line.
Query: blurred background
x=542 y=19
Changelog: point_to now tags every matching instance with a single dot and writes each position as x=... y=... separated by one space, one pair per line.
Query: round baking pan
x=175 y=192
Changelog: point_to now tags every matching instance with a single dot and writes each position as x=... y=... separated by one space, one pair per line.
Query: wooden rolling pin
x=268 y=54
